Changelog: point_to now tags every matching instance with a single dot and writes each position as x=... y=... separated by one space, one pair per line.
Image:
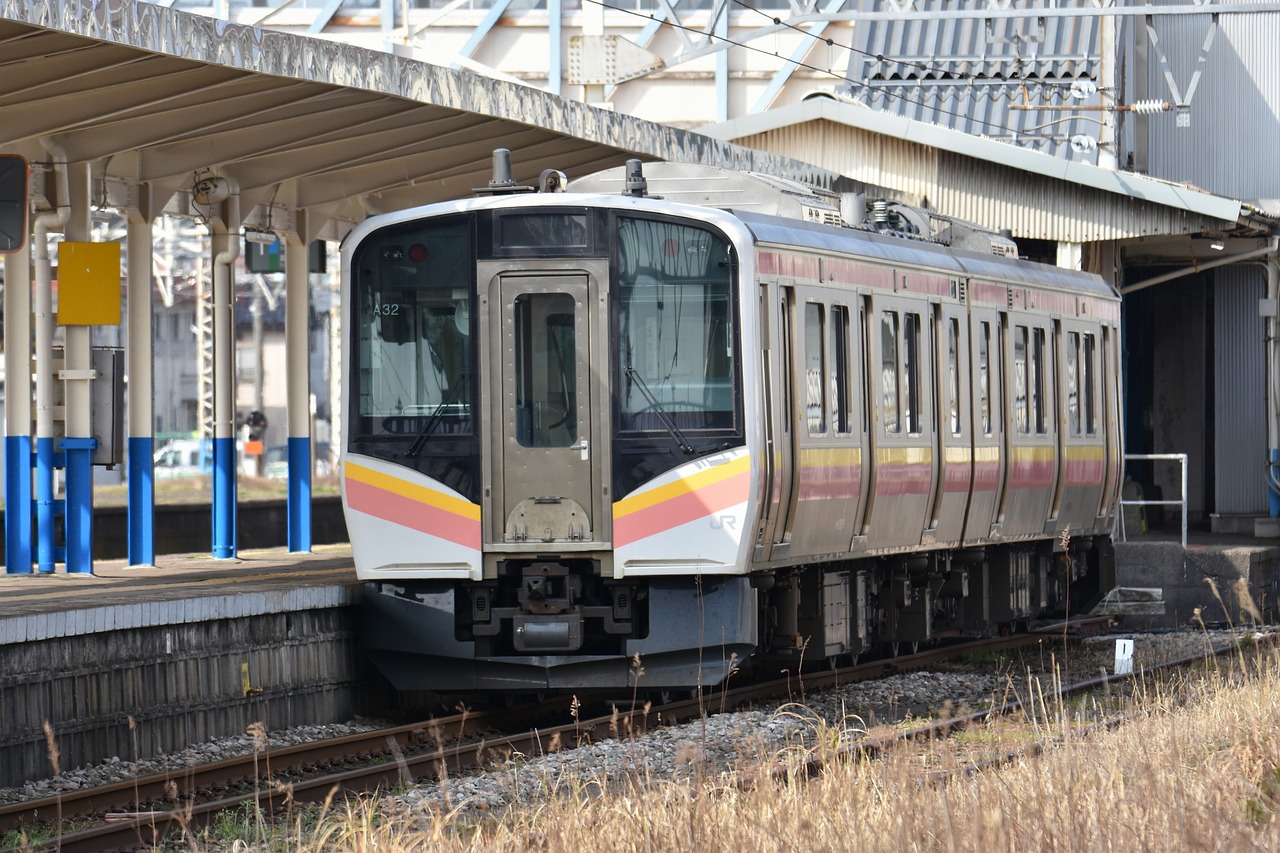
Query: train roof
x=898 y=250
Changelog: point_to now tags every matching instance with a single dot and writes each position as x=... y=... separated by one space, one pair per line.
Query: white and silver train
x=602 y=438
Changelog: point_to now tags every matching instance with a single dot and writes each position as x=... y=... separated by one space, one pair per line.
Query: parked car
x=276 y=463
x=190 y=457
x=183 y=458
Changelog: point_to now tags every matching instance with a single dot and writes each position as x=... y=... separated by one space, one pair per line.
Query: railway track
x=139 y=813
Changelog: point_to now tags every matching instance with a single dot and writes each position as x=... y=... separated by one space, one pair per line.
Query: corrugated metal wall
x=1240 y=420
x=1231 y=146
x=991 y=194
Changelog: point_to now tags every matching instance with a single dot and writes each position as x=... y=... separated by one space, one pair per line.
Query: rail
x=1182 y=501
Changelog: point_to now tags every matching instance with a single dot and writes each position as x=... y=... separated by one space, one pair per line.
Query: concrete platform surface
x=181 y=588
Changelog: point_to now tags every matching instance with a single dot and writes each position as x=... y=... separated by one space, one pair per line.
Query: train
x=666 y=422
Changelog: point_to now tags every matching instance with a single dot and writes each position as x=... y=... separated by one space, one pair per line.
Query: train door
x=779 y=367
x=1108 y=387
x=548 y=453
x=902 y=482
x=955 y=457
x=1032 y=443
x=1082 y=447
x=829 y=456
x=987 y=423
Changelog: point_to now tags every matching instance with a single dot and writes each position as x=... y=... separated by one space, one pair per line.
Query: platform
x=136 y=661
x=179 y=588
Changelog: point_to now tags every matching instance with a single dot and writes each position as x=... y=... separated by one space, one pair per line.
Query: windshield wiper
x=659 y=410
x=434 y=418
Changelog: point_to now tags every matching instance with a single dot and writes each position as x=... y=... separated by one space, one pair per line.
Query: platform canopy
x=157 y=98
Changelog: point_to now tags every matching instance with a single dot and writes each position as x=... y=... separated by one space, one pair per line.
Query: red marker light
x=417 y=253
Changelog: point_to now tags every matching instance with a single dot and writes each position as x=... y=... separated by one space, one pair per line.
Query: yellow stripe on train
x=412 y=491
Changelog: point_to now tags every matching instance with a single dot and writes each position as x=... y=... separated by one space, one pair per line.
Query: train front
x=546 y=474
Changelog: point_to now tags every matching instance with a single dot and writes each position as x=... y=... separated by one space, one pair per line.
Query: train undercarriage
x=548 y=624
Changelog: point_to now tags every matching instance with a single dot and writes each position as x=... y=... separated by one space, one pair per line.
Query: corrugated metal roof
x=969 y=73
x=981 y=180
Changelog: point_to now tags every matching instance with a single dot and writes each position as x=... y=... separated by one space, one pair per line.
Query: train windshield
x=412 y=295
x=675 y=357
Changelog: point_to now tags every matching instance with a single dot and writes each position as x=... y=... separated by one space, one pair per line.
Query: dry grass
x=1195 y=768
x=1198 y=773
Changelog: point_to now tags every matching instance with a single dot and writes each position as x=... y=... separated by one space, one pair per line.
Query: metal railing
x=1182 y=501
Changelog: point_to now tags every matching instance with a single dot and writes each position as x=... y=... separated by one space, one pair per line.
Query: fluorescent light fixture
x=1217 y=245
x=257 y=235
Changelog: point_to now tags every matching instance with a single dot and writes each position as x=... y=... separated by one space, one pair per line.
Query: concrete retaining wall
x=132 y=681
x=1183 y=577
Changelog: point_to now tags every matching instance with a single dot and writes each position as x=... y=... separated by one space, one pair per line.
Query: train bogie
x=597 y=441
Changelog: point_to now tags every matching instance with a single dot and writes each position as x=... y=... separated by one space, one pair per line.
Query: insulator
x=880 y=211
x=1147 y=108
x=501 y=169
x=636 y=184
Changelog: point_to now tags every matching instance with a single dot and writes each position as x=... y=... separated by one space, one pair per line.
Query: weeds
x=1197 y=767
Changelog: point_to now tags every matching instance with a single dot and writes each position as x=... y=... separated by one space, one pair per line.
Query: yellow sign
x=89 y=284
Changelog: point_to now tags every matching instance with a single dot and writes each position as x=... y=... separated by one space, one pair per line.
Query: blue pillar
x=45 y=556
x=142 y=501
x=300 y=494
x=224 y=498
x=17 y=501
x=79 y=510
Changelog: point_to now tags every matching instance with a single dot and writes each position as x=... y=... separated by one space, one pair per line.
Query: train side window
x=1021 y=385
x=787 y=309
x=841 y=402
x=1090 y=404
x=889 y=371
x=984 y=377
x=1073 y=382
x=953 y=373
x=865 y=318
x=1039 y=405
x=911 y=372
x=814 y=369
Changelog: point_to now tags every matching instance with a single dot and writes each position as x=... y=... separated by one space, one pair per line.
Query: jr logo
x=724 y=522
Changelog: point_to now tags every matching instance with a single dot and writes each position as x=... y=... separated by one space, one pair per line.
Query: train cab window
x=1072 y=376
x=412 y=360
x=814 y=369
x=673 y=310
x=1021 y=381
x=889 y=372
x=984 y=377
x=953 y=375
x=1089 y=359
x=841 y=399
x=1039 y=404
x=911 y=372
